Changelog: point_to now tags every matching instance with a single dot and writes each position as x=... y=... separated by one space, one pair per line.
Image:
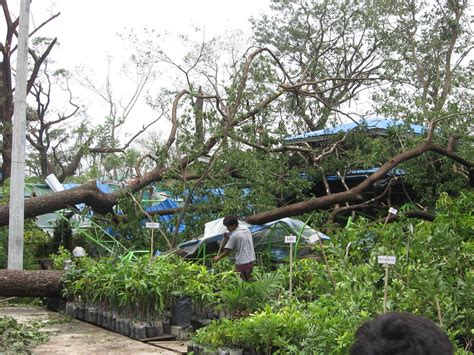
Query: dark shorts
x=245 y=270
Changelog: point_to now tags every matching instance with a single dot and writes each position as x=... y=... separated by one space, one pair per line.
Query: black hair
x=230 y=221
x=401 y=333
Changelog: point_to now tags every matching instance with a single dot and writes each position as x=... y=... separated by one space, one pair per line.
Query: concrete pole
x=17 y=185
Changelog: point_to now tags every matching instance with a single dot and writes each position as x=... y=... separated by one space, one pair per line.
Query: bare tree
x=44 y=132
x=8 y=49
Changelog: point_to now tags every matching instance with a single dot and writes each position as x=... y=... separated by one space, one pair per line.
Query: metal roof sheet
x=369 y=124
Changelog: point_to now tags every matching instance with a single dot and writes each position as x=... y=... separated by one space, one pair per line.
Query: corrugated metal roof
x=369 y=124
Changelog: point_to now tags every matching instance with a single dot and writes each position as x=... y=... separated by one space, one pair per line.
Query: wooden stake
x=440 y=318
x=151 y=244
x=291 y=268
x=385 y=289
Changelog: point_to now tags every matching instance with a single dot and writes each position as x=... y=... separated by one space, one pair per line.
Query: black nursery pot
x=182 y=312
x=81 y=312
x=166 y=326
x=100 y=317
x=93 y=315
x=126 y=327
x=69 y=309
x=139 y=330
x=107 y=320
x=113 y=323
x=119 y=325
x=150 y=330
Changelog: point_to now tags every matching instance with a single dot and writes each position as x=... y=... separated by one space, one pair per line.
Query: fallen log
x=30 y=283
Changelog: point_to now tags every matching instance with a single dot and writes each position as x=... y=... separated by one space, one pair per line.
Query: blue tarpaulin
x=167 y=219
x=369 y=124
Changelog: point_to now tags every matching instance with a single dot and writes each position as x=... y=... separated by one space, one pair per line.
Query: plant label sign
x=290 y=239
x=152 y=225
x=386 y=259
x=392 y=210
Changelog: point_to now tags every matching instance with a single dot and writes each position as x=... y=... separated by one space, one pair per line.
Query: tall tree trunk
x=44 y=164
x=6 y=112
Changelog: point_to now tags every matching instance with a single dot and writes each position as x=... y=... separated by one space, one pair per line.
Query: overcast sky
x=87 y=29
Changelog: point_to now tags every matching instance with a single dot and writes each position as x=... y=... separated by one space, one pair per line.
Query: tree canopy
x=310 y=65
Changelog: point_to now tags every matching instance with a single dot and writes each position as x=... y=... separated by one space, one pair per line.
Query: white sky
x=87 y=30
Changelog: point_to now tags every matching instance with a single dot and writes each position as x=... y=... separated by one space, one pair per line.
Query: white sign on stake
x=152 y=225
x=392 y=210
x=386 y=259
x=290 y=239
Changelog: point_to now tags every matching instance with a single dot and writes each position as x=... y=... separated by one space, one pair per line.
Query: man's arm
x=222 y=255
x=228 y=244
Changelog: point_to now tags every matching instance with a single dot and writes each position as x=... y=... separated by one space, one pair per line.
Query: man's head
x=400 y=333
x=231 y=222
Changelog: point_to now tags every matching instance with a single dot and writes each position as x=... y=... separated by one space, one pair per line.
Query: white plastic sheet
x=216 y=227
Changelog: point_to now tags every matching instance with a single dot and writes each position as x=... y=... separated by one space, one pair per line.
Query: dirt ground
x=70 y=336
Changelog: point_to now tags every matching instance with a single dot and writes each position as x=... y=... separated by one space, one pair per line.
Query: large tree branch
x=354 y=194
x=38 y=62
x=102 y=203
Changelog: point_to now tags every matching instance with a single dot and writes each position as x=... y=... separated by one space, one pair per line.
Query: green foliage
x=128 y=226
x=60 y=257
x=18 y=338
x=434 y=267
x=251 y=296
x=34 y=240
x=433 y=277
x=62 y=233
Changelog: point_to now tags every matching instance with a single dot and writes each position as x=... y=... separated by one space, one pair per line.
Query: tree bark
x=31 y=283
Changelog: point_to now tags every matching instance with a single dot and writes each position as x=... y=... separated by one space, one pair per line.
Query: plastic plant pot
x=100 y=317
x=119 y=326
x=81 y=312
x=126 y=327
x=113 y=322
x=166 y=326
x=69 y=309
x=223 y=351
x=139 y=330
x=107 y=319
x=93 y=315
x=150 y=330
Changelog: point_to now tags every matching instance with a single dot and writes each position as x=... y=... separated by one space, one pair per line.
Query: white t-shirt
x=241 y=241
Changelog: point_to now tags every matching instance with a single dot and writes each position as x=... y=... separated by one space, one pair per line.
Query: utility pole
x=17 y=185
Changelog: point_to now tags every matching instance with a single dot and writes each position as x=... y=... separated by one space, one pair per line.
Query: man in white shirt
x=240 y=240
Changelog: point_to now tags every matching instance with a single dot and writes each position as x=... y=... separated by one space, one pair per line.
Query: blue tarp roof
x=369 y=124
x=358 y=173
x=166 y=205
x=102 y=187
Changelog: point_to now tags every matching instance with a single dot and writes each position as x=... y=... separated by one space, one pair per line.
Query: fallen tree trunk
x=30 y=283
x=354 y=194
